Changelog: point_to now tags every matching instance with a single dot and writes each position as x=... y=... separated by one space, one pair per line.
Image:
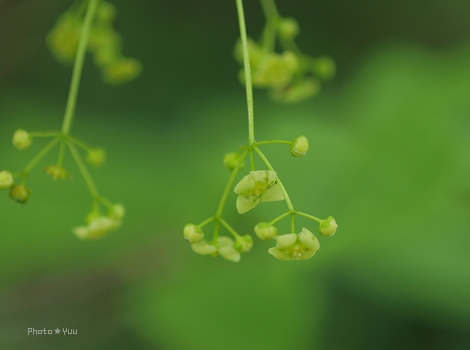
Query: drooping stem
x=77 y=68
x=247 y=68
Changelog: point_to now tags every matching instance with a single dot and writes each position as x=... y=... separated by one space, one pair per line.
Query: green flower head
x=259 y=186
x=293 y=246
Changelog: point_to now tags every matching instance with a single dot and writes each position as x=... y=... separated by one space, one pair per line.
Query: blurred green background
x=389 y=158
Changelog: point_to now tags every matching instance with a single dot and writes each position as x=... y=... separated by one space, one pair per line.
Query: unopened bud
x=265 y=231
x=193 y=233
x=21 y=139
x=96 y=156
x=20 y=193
x=328 y=226
x=288 y=28
x=6 y=180
x=299 y=146
x=244 y=243
x=231 y=161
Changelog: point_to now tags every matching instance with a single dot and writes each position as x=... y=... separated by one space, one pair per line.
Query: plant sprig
x=259 y=185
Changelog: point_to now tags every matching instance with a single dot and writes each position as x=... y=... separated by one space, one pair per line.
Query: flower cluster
x=104 y=43
x=290 y=76
x=98 y=225
x=224 y=246
x=257 y=187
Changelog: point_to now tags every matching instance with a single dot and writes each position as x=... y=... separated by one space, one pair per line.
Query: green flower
x=6 y=179
x=193 y=233
x=265 y=231
x=328 y=226
x=56 y=172
x=276 y=70
x=244 y=243
x=21 y=139
x=293 y=246
x=227 y=249
x=299 y=146
x=96 y=228
x=259 y=186
x=20 y=193
x=99 y=225
x=96 y=156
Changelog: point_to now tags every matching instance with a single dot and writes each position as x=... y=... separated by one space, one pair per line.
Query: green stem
x=61 y=156
x=205 y=222
x=278 y=180
x=272 y=21
x=247 y=68
x=84 y=171
x=273 y=142
x=38 y=157
x=229 y=228
x=77 y=68
x=310 y=217
x=280 y=217
x=221 y=205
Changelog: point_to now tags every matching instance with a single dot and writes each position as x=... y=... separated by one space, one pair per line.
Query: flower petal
x=229 y=253
x=246 y=203
x=272 y=194
x=285 y=241
x=245 y=186
x=264 y=177
x=203 y=248
x=279 y=254
x=308 y=240
x=307 y=255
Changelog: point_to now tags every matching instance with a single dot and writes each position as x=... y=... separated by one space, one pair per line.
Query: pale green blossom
x=259 y=186
x=293 y=246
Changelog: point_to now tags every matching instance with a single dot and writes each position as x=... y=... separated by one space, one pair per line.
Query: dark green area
x=389 y=158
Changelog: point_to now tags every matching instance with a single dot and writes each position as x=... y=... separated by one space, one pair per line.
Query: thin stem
x=61 y=156
x=273 y=142
x=77 y=68
x=229 y=228
x=280 y=217
x=221 y=205
x=309 y=216
x=38 y=157
x=272 y=20
x=84 y=171
x=205 y=222
x=278 y=180
x=247 y=68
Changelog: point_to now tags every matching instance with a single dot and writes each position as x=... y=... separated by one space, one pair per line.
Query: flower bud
x=265 y=231
x=21 y=139
x=288 y=28
x=324 y=67
x=96 y=156
x=244 y=243
x=117 y=212
x=299 y=146
x=20 y=193
x=56 y=172
x=328 y=226
x=231 y=161
x=121 y=71
x=6 y=180
x=193 y=233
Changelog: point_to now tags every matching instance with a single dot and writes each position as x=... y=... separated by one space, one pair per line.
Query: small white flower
x=293 y=246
